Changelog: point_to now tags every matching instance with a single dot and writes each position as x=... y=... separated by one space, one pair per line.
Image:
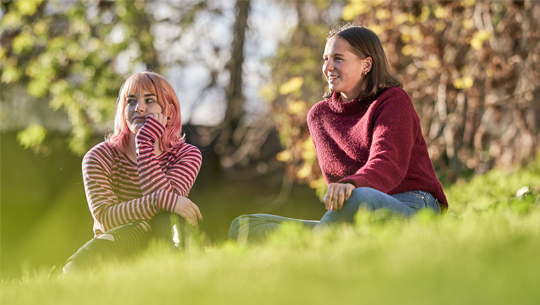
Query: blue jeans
x=256 y=226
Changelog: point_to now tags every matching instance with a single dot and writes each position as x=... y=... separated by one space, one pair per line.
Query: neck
x=131 y=149
x=345 y=99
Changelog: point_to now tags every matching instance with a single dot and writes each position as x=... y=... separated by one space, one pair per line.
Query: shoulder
x=395 y=98
x=185 y=150
x=103 y=153
x=394 y=105
x=394 y=94
x=317 y=109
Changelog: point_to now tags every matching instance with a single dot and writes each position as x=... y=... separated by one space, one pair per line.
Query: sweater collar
x=350 y=107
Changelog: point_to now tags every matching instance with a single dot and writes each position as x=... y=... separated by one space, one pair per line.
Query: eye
x=150 y=100
x=131 y=101
x=337 y=58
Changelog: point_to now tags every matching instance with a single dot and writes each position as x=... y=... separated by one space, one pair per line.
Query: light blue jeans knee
x=255 y=227
x=403 y=204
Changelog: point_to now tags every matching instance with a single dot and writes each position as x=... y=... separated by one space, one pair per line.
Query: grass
x=483 y=251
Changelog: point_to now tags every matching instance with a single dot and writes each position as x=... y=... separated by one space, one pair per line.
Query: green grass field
x=485 y=250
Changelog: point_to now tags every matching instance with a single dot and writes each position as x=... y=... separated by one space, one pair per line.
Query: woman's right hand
x=336 y=195
x=188 y=210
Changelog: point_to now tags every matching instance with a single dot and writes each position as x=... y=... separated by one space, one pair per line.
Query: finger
x=350 y=188
x=159 y=117
x=192 y=215
x=162 y=119
x=197 y=210
x=335 y=198
x=328 y=202
x=341 y=198
x=186 y=217
x=188 y=213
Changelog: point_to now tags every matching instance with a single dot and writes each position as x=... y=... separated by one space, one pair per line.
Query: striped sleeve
x=181 y=172
x=104 y=205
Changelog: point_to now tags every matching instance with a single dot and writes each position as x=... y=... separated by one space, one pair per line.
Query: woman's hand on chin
x=336 y=195
x=188 y=210
x=159 y=117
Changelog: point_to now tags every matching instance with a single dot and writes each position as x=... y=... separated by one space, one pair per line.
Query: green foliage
x=497 y=189
x=32 y=136
x=61 y=52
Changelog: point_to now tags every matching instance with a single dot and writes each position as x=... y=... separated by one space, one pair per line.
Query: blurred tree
x=471 y=68
x=75 y=55
x=67 y=51
x=298 y=84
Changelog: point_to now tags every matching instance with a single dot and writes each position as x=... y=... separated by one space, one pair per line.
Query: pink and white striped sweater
x=120 y=191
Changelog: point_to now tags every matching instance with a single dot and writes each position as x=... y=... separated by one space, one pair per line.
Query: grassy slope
x=484 y=251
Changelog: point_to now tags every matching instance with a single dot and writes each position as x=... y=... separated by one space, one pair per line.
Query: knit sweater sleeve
x=180 y=173
x=394 y=125
x=104 y=205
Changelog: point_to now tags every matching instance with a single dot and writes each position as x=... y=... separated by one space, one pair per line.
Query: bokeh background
x=246 y=73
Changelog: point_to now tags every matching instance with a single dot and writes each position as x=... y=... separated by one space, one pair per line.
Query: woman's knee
x=165 y=220
x=364 y=192
x=238 y=223
x=362 y=196
x=243 y=224
x=89 y=253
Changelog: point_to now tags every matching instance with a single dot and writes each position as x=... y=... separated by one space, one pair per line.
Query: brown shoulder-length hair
x=364 y=43
x=166 y=98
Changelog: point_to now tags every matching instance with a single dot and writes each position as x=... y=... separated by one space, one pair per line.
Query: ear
x=368 y=63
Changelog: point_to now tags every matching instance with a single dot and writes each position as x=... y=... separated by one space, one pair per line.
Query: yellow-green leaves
x=24 y=42
x=293 y=85
x=10 y=74
x=465 y=82
x=268 y=92
x=32 y=136
x=353 y=9
x=479 y=38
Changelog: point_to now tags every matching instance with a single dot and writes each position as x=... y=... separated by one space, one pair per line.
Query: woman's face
x=138 y=106
x=343 y=69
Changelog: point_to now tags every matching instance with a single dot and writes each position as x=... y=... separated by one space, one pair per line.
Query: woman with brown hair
x=138 y=180
x=367 y=137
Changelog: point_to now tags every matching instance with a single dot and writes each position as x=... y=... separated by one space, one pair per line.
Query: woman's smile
x=343 y=69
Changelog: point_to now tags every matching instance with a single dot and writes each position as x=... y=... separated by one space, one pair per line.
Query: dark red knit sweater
x=377 y=144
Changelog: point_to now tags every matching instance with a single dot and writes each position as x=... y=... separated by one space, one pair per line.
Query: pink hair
x=166 y=97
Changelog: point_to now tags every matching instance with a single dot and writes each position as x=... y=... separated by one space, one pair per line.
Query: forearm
x=181 y=169
x=110 y=214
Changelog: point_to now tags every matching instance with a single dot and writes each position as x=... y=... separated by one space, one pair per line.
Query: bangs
x=138 y=83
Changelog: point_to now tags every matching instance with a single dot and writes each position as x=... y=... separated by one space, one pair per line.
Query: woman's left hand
x=159 y=117
x=336 y=195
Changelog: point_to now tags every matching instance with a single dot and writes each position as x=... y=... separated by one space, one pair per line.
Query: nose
x=140 y=107
x=328 y=65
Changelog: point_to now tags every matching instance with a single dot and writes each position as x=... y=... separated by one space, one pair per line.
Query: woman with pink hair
x=138 y=180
